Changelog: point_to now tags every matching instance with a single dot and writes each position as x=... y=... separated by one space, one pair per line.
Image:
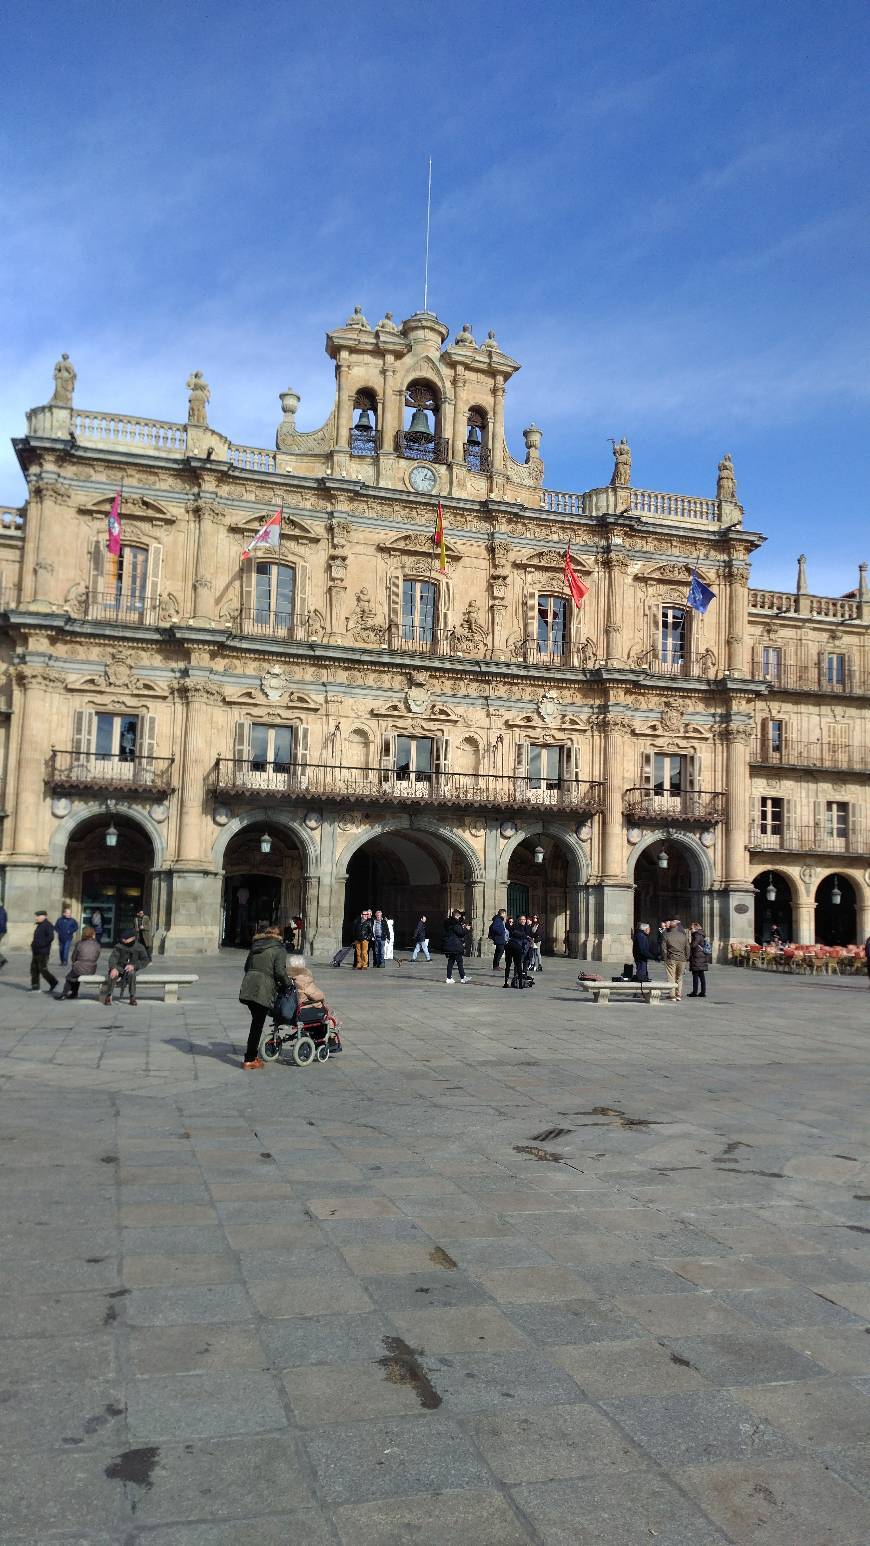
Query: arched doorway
x=775 y=909
x=259 y=886
x=667 y=884
x=406 y=873
x=538 y=883
x=836 y=921
x=106 y=881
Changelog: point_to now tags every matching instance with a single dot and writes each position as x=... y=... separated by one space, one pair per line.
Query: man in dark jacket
x=421 y=939
x=454 y=942
x=362 y=933
x=265 y=977
x=499 y=935
x=66 y=929
x=40 y=950
x=641 y=952
x=675 y=949
x=515 y=949
x=4 y=924
x=127 y=958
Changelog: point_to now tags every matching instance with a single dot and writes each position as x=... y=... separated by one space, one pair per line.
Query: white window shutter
x=857 y=829
x=242 y=743
x=300 y=745
x=246 y=580
x=789 y=821
x=84 y=732
x=442 y=754
x=693 y=772
x=753 y=814
x=302 y=601
x=531 y=615
x=147 y=735
x=823 y=662
x=850 y=673
x=98 y=567
x=444 y=606
x=388 y=753
x=784 y=740
x=569 y=772
x=819 y=818
x=394 y=600
x=155 y=576
x=647 y=769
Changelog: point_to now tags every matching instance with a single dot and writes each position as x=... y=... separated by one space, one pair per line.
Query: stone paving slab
x=517 y=1272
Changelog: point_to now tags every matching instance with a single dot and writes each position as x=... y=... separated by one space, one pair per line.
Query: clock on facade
x=423 y=479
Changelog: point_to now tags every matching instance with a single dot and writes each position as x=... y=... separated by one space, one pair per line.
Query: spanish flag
x=438 y=539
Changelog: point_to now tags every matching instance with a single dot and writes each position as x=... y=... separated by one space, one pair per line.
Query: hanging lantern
x=111 y=835
x=539 y=855
x=770 y=893
x=662 y=860
x=836 y=893
x=265 y=844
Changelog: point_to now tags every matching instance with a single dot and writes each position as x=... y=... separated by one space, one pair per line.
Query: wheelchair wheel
x=270 y=1047
x=303 y=1051
x=323 y=1053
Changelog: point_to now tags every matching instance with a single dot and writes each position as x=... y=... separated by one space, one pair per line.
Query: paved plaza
x=510 y=1269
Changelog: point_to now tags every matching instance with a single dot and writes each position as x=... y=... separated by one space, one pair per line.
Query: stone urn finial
x=532 y=437
x=289 y=403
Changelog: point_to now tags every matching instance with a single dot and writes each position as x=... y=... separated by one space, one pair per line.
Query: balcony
x=807 y=840
x=701 y=806
x=477 y=458
x=703 y=666
x=269 y=625
x=363 y=442
x=108 y=607
x=814 y=678
x=232 y=777
x=150 y=776
x=422 y=448
x=814 y=754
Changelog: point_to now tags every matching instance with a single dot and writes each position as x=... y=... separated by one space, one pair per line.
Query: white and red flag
x=572 y=579
x=113 y=527
x=269 y=536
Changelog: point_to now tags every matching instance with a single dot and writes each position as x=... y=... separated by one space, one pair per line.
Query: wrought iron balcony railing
x=813 y=754
x=700 y=805
x=422 y=449
x=232 y=776
x=363 y=442
x=477 y=458
x=262 y=623
x=150 y=776
x=110 y=607
x=809 y=840
x=840 y=682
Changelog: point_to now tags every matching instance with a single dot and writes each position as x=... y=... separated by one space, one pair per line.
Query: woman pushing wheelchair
x=270 y=973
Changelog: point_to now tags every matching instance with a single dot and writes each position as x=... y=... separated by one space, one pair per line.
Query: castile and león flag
x=269 y=536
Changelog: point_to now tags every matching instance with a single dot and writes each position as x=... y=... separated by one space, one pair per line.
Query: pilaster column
x=804 y=922
x=37 y=564
x=457 y=438
x=612 y=773
x=737 y=621
x=736 y=802
x=208 y=524
x=198 y=694
x=497 y=447
x=390 y=408
x=615 y=566
x=31 y=715
x=345 y=405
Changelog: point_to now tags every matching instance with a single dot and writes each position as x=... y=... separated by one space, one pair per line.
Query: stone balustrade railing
x=771 y=601
x=251 y=458
x=562 y=504
x=845 y=609
x=119 y=429
x=673 y=507
x=11 y=519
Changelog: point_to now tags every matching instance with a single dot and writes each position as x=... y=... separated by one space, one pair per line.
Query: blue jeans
x=377 y=952
x=422 y=944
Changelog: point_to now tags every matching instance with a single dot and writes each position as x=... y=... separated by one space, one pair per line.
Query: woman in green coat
x=265 y=977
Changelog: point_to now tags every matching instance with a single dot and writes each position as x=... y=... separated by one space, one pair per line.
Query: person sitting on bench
x=127 y=958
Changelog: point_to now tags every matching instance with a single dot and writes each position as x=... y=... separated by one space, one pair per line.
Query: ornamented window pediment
x=552 y=559
x=292 y=529
x=674 y=571
x=417 y=544
x=133 y=507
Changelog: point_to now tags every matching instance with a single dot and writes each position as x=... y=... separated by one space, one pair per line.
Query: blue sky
x=660 y=208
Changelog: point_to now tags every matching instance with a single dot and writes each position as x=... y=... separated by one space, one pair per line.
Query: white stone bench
x=649 y=992
x=170 y=982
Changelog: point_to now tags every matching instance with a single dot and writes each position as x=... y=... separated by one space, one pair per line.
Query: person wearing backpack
x=699 y=961
x=499 y=935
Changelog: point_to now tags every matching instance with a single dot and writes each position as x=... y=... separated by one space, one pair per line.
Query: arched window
x=364 y=430
x=476 y=449
x=420 y=439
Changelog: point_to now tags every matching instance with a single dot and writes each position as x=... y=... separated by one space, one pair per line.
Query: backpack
x=490 y=934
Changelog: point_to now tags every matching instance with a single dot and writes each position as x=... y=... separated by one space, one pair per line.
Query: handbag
x=286 y=1006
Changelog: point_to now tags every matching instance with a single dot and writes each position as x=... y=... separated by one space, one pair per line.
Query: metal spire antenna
x=428 y=222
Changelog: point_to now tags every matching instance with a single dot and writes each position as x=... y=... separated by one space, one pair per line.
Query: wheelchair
x=310 y=1032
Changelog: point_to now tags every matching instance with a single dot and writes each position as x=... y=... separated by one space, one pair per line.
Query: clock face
x=423 y=479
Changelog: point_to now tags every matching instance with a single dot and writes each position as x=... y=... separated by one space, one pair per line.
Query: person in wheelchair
x=311 y=1000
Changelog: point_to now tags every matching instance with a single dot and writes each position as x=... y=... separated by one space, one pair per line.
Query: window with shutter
x=98 y=575
x=551 y=628
x=789 y=823
x=148 y=735
x=155 y=576
x=521 y=761
x=241 y=747
x=302 y=604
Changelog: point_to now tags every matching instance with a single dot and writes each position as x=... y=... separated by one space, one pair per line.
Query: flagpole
x=428 y=223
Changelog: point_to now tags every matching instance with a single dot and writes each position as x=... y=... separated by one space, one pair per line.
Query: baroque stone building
x=336 y=722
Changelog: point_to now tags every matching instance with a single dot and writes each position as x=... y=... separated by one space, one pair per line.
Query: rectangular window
x=771 y=662
x=418 y=611
x=271 y=747
x=545 y=767
x=836 y=819
x=770 y=820
x=552 y=625
x=836 y=673
x=415 y=757
x=117 y=735
x=775 y=736
x=274 y=594
x=669 y=774
x=126 y=581
x=673 y=635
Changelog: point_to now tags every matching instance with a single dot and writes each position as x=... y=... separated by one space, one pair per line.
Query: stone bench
x=649 y=992
x=170 y=982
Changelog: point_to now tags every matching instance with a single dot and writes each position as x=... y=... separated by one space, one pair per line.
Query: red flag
x=438 y=539
x=269 y=536
x=113 y=531
x=572 y=579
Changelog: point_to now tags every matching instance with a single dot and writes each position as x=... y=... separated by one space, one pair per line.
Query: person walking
x=362 y=934
x=66 y=929
x=126 y=959
x=86 y=954
x=641 y=952
x=455 y=935
x=499 y=935
x=97 y=923
x=535 y=938
x=421 y=939
x=144 y=932
x=4 y=925
x=40 y=950
x=514 y=952
x=699 y=961
x=380 y=935
x=675 y=949
x=266 y=976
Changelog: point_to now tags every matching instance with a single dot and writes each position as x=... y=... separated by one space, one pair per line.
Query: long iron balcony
x=233 y=777
x=94 y=770
x=701 y=805
x=809 y=840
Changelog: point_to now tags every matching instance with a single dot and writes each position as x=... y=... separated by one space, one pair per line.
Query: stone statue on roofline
x=726 y=487
x=621 y=463
x=200 y=393
x=64 y=382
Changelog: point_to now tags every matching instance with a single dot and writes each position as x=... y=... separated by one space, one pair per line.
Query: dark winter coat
x=640 y=946
x=85 y=958
x=421 y=932
x=675 y=945
x=362 y=928
x=43 y=938
x=144 y=932
x=65 y=928
x=4 y=921
x=518 y=937
x=122 y=956
x=498 y=930
x=697 y=953
x=265 y=972
x=455 y=934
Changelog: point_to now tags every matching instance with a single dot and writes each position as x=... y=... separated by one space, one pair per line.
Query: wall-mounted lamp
x=265 y=844
x=539 y=855
x=836 y=893
x=770 y=893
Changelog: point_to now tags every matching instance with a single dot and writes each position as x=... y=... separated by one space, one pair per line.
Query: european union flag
x=700 y=595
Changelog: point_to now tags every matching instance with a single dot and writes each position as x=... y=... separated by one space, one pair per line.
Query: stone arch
x=273 y=818
x=698 y=855
x=66 y=828
x=403 y=822
x=577 y=854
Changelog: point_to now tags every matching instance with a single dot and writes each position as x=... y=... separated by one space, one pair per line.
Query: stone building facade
x=336 y=722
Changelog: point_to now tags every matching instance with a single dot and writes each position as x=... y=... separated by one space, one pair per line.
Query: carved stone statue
x=726 y=487
x=64 y=382
x=621 y=464
x=465 y=338
x=200 y=393
x=363 y=624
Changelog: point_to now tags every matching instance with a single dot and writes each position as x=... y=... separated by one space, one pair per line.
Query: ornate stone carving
x=470 y=637
x=76 y=599
x=418 y=697
x=363 y=623
x=274 y=683
x=726 y=487
x=200 y=689
x=311 y=441
x=339 y=531
x=671 y=718
x=587 y=655
x=64 y=383
x=197 y=402
x=621 y=475
x=169 y=608
x=47 y=677
x=548 y=708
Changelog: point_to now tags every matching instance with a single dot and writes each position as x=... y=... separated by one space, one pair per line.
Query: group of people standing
x=371 y=936
x=519 y=941
x=678 y=950
x=81 y=956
